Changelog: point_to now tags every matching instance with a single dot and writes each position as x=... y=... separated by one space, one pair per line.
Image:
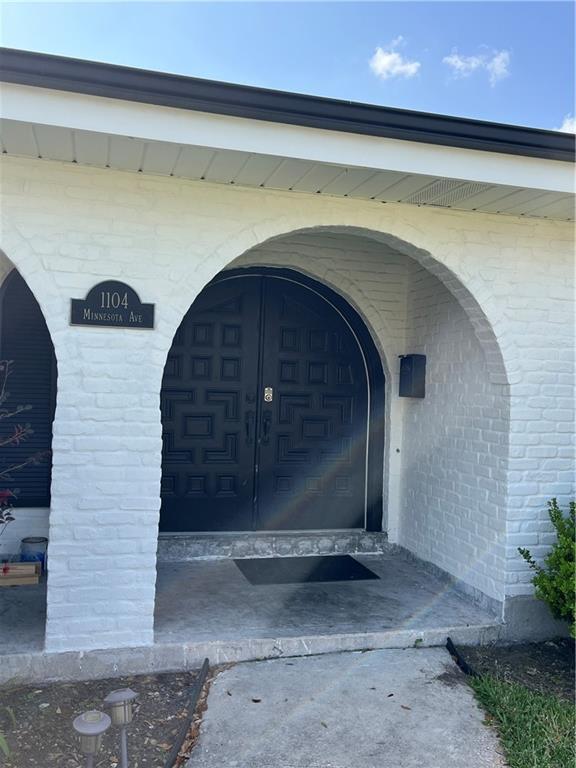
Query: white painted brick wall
x=67 y=227
x=455 y=446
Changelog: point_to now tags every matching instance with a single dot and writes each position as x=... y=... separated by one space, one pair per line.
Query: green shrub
x=555 y=581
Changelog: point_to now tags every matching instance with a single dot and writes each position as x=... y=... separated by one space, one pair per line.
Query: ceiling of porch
x=250 y=169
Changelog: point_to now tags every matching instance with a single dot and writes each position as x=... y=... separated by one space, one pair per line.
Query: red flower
x=5 y=497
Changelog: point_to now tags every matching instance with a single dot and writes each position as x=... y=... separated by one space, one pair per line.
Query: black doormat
x=299 y=570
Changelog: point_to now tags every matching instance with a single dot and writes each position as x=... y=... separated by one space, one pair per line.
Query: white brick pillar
x=105 y=489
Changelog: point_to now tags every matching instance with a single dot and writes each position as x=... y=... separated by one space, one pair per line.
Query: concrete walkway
x=379 y=709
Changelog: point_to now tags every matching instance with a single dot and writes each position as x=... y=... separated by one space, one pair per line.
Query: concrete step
x=178 y=547
x=42 y=667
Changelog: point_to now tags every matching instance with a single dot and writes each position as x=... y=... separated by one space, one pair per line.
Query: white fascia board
x=187 y=127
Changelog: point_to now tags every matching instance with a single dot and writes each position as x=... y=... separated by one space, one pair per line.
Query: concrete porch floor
x=205 y=599
x=208 y=608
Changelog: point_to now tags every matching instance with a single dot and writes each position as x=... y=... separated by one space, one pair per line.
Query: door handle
x=248 y=426
x=266 y=424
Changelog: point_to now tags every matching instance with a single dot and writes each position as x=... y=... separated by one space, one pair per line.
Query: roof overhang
x=109 y=116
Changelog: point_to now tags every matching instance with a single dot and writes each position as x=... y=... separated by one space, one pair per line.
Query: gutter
x=168 y=90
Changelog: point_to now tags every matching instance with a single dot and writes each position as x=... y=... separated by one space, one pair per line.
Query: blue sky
x=509 y=62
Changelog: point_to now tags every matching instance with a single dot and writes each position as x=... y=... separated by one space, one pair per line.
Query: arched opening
x=273 y=410
x=28 y=385
x=442 y=459
x=31 y=385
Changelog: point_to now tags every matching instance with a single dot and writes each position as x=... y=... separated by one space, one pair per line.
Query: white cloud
x=496 y=64
x=387 y=62
x=568 y=125
x=462 y=65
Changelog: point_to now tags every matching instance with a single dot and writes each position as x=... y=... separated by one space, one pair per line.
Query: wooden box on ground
x=17 y=574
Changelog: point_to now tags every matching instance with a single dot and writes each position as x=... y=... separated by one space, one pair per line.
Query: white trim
x=185 y=127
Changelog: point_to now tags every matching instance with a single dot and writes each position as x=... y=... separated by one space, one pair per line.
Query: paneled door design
x=312 y=435
x=264 y=407
x=208 y=403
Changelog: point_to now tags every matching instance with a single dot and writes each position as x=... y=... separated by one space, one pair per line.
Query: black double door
x=264 y=408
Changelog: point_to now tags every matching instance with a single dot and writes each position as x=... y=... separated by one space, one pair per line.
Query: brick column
x=105 y=491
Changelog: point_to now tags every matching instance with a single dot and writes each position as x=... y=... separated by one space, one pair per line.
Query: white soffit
x=239 y=151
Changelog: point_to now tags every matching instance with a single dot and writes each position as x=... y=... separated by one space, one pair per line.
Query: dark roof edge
x=149 y=87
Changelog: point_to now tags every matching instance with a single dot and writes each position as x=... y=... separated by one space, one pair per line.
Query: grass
x=536 y=730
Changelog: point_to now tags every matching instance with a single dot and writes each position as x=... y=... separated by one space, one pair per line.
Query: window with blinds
x=25 y=340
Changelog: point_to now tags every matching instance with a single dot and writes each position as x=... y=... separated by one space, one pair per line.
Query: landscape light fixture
x=90 y=726
x=120 y=705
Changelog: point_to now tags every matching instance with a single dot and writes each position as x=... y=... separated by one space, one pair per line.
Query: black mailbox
x=412 y=376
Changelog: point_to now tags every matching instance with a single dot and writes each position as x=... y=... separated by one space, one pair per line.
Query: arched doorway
x=272 y=410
